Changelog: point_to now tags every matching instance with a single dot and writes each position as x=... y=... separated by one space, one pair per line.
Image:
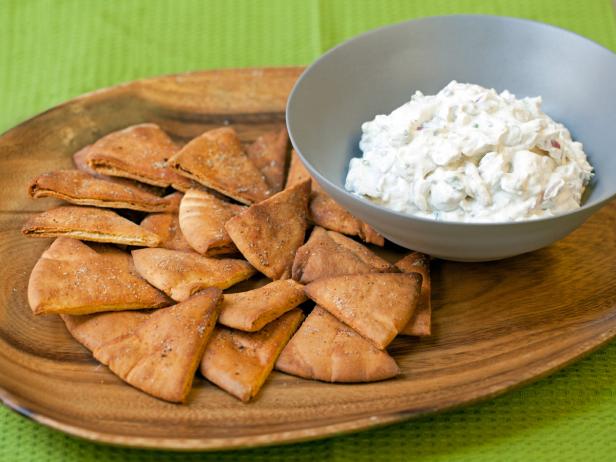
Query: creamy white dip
x=470 y=154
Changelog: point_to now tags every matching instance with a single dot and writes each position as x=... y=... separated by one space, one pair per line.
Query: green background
x=53 y=50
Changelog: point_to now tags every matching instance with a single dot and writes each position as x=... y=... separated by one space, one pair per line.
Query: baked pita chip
x=94 y=330
x=331 y=254
x=377 y=306
x=167 y=227
x=181 y=274
x=269 y=233
x=297 y=172
x=216 y=159
x=160 y=356
x=326 y=212
x=240 y=362
x=89 y=224
x=202 y=219
x=138 y=152
x=79 y=188
x=80 y=159
x=326 y=349
x=420 y=323
x=251 y=310
x=269 y=154
x=74 y=278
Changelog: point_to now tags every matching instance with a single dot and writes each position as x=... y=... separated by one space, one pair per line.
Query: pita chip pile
x=146 y=256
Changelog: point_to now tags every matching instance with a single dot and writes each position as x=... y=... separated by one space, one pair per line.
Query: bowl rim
x=587 y=207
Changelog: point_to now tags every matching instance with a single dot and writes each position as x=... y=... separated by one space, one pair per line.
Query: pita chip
x=326 y=212
x=79 y=188
x=167 y=227
x=269 y=154
x=331 y=254
x=269 y=233
x=94 y=330
x=326 y=349
x=251 y=310
x=297 y=172
x=420 y=323
x=89 y=224
x=216 y=159
x=80 y=159
x=138 y=152
x=160 y=356
x=202 y=219
x=240 y=362
x=377 y=306
x=74 y=278
x=181 y=274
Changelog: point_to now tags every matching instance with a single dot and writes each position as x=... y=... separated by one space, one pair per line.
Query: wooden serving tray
x=497 y=325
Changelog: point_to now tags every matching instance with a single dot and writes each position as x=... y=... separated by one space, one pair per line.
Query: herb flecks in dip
x=470 y=154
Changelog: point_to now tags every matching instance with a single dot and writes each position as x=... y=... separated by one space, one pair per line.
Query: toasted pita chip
x=326 y=349
x=94 y=330
x=240 y=362
x=375 y=305
x=269 y=154
x=420 y=323
x=139 y=152
x=250 y=311
x=326 y=212
x=88 y=224
x=73 y=278
x=297 y=172
x=167 y=227
x=181 y=274
x=331 y=254
x=217 y=160
x=80 y=159
x=202 y=219
x=174 y=202
x=160 y=356
x=82 y=189
x=269 y=233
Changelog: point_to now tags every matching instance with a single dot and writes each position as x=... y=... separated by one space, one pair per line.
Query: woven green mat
x=53 y=50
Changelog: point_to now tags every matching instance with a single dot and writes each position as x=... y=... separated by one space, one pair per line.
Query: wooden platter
x=497 y=325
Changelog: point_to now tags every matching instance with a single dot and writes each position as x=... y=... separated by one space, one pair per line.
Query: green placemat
x=53 y=50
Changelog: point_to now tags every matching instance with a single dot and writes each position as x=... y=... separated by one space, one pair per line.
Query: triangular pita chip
x=216 y=159
x=326 y=349
x=269 y=154
x=80 y=188
x=251 y=310
x=326 y=212
x=74 y=278
x=174 y=202
x=167 y=227
x=160 y=356
x=269 y=233
x=331 y=254
x=95 y=330
x=80 y=159
x=240 y=362
x=138 y=152
x=297 y=172
x=376 y=305
x=181 y=274
x=202 y=219
x=420 y=323
x=89 y=224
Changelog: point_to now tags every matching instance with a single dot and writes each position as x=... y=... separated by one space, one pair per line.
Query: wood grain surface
x=497 y=325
